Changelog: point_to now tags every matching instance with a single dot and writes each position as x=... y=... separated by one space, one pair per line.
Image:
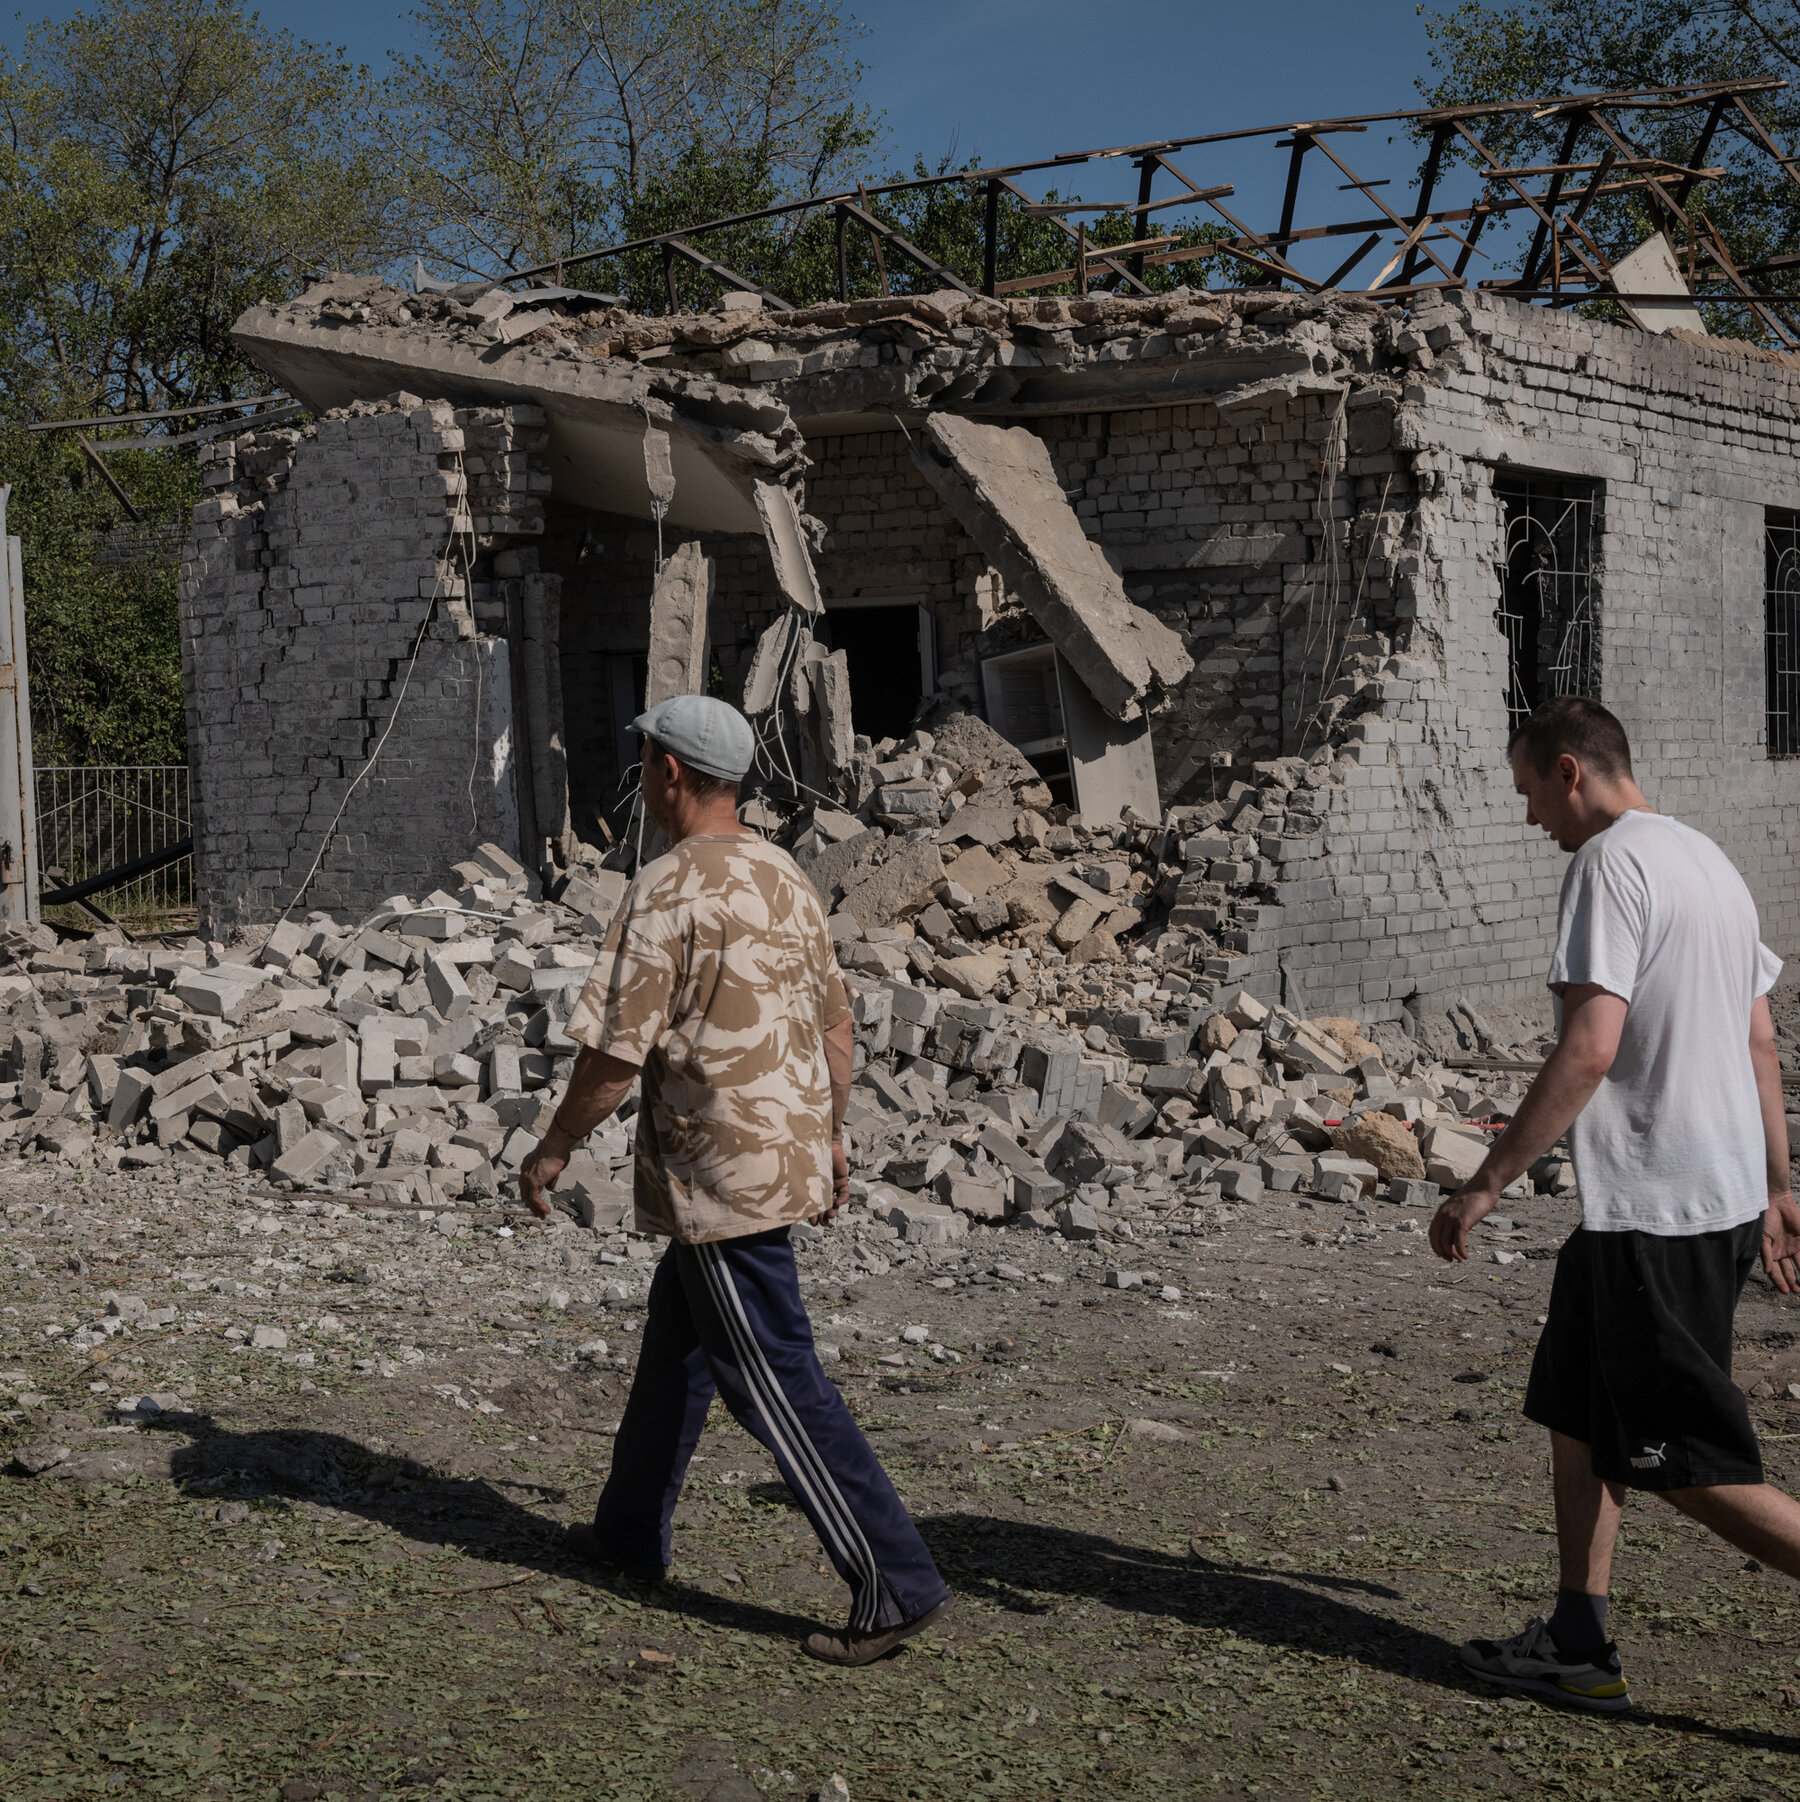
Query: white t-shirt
x=1672 y=1142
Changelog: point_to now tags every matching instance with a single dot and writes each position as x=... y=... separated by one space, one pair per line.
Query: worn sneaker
x=1530 y=1661
x=847 y=1647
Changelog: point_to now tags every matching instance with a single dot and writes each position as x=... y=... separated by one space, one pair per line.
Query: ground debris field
x=291 y=1530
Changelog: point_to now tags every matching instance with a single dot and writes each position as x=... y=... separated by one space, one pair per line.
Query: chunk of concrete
x=972 y=977
x=1076 y=1220
x=1239 y=1182
x=764 y=680
x=449 y=993
x=1451 y=1157
x=834 y=724
x=219 y=993
x=1383 y=1141
x=926 y=1222
x=969 y=1195
x=130 y=1098
x=786 y=535
x=1000 y=484
x=678 y=614
x=309 y=1157
x=900 y=887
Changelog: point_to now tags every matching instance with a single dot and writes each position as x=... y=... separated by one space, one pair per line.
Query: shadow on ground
x=1012 y=1564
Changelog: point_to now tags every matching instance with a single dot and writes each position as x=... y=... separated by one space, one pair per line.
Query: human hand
x=539 y=1173
x=840 y=1182
x=1456 y=1214
x=1781 y=1244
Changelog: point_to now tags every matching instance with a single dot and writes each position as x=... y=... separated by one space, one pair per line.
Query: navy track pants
x=728 y=1317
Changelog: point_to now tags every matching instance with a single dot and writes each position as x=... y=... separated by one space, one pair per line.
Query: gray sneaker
x=1530 y=1661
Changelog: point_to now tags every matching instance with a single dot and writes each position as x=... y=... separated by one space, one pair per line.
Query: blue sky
x=1010 y=80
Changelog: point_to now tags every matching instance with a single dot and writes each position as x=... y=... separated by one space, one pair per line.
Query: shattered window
x=1549 y=573
x=1781 y=629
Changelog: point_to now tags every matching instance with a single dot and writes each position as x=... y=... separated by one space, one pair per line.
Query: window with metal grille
x=1549 y=588
x=1781 y=629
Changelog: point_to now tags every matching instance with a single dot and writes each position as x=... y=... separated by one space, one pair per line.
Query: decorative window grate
x=1781 y=630
x=1549 y=575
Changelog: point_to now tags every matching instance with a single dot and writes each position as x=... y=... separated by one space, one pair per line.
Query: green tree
x=100 y=625
x=532 y=130
x=1552 y=47
x=163 y=164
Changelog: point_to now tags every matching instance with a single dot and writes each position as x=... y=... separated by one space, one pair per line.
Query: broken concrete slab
x=723 y=439
x=785 y=534
x=1003 y=489
x=679 y=610
x=901 y=886
x=767 y=661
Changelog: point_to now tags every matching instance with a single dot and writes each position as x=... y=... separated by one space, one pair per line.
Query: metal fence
x=92 y=818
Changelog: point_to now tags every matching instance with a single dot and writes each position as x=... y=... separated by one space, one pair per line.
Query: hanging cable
x=461 y=539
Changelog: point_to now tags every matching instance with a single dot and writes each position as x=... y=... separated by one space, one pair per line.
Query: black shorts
x=1635 y=1356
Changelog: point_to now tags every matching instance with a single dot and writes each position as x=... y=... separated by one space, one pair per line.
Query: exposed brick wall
x=314 y=564
x=1427 y=878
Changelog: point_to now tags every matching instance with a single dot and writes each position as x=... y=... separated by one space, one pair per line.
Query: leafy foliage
x=531 y=130
x=105 y=658
x=163 y=165
x=1553 y=47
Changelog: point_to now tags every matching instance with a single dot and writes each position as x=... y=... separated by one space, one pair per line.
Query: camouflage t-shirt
x=717 y=977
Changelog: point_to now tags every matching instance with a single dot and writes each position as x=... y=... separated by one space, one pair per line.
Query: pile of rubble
x=1051 y=1024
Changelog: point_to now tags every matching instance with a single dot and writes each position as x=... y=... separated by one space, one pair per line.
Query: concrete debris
x=408 y=1060
x=678 y=615
x=1002 y=487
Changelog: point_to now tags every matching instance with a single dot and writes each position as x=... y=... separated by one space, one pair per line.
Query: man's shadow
x=1012 y=1564
x=1007 y=1562
x=472 y=1515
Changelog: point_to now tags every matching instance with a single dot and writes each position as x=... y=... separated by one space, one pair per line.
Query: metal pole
x=1140 y=220
x=990 y=254
x=18 y=784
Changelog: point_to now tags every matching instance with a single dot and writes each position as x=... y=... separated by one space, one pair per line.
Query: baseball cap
x=708 y=735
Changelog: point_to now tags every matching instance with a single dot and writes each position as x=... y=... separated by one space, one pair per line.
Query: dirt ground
x=1223 y=1544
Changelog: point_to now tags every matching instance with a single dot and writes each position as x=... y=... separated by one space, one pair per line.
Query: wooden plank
x=107 y=476
x=1053 y=208
x=907 y=248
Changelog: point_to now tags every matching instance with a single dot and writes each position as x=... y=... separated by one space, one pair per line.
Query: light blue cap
x=707 y=735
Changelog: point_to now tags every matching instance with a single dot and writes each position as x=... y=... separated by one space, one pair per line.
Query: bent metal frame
x=1562 y=266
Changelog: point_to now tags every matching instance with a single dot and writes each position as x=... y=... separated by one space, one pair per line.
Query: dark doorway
x=885 y=646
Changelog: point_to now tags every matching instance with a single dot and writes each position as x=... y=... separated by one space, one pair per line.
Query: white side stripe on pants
x=811 y=1474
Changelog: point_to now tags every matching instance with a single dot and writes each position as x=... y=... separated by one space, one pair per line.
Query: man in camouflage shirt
x=717 y=983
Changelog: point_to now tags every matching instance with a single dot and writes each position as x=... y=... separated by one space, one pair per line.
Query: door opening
x=891 y=647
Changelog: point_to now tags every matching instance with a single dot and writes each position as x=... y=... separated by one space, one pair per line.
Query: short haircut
x=701 y=783
x=1573 y=726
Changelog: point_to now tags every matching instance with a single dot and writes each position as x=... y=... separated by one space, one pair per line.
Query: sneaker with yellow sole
x=1529 y=1661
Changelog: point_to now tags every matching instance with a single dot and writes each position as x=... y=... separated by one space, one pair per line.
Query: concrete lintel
x=723 y=439
x=1506 y=451
x=1002 y=488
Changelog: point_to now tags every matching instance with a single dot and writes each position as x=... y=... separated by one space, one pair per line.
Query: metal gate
x=94 y=818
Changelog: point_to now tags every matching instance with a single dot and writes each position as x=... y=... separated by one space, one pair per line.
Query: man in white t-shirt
x=1666 y=1080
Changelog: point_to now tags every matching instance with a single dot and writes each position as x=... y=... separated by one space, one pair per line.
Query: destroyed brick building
x=1275 y=570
